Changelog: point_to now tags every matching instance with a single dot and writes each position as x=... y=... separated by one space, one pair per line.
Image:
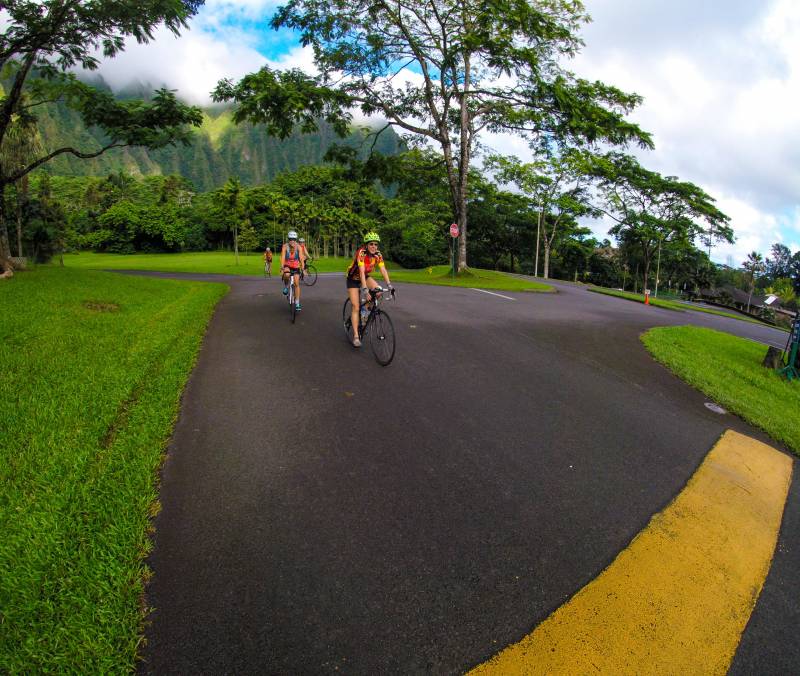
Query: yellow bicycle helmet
x=372 y=237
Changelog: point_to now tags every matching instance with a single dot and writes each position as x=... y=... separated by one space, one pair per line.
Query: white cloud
x=721 y=82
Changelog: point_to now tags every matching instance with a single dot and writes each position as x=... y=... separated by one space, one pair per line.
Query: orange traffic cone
x=647 y=298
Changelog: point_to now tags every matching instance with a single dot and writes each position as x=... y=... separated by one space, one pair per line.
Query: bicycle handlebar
x=379 y=289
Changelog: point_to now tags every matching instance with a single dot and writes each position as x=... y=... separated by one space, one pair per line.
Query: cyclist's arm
x=284 y=249
x=361 y=272
x=384 y=272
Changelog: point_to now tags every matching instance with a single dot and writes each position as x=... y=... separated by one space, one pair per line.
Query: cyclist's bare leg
x=371 y=284
x=355 y=301
x=296 y=280
x=285 y=275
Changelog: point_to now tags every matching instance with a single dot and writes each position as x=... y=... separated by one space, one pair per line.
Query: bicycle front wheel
x=310 y=275
x=381 y=338
x=292 y=304
x=347 y=322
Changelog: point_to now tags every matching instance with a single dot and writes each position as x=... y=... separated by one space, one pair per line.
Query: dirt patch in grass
x=100 y=306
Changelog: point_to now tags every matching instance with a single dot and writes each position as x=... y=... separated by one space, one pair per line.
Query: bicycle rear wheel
x=310 y=275
x=381 y=338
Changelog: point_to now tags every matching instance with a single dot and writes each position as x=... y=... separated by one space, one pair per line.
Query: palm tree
x=230 y=197
x=21 y=144
x=753 y=264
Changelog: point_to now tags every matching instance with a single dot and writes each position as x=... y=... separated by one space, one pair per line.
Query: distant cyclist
x=268 y=260
x=292 y=262
x=303 y=248
x=365 y=262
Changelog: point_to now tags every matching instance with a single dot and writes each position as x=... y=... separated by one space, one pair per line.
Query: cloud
x=721 y=82
x=224 y=40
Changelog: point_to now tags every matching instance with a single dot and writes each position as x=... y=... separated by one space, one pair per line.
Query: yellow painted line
x=677 y=599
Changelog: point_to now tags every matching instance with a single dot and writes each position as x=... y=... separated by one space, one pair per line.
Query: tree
x=651 y=210
x=754 y=265
x=779 y=264
x=229 y=200
x=557 y=187
x=22 y=145
x=43 y=40
x=248 y=237
x=472 y=66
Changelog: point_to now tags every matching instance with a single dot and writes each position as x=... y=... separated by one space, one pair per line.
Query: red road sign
x=453 y=230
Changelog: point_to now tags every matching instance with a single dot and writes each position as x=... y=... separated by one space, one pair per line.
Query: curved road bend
x=321 y=513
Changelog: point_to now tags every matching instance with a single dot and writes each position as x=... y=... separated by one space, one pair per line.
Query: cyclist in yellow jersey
x=365 y=261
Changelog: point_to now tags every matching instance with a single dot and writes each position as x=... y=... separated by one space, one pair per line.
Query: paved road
x=322 y=514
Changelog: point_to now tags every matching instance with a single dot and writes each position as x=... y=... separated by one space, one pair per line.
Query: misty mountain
x=220 y=148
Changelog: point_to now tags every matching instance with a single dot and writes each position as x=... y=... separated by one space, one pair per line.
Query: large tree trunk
x=462 y=237
x=6 y=266
x=546 y=258
x=19 y=227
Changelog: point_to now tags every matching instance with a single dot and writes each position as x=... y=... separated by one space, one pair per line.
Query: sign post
x=454 y=237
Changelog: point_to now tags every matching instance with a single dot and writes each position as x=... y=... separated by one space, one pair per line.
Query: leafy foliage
x=484 y=66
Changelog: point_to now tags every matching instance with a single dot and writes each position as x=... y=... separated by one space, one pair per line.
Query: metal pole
x=658 y=266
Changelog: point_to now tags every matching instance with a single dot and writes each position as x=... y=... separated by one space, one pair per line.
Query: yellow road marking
x=677 y=599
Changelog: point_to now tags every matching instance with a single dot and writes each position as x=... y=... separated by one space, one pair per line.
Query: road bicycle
x=375 y=325
x=309 y=275
x=267 y=268
x=290 y=298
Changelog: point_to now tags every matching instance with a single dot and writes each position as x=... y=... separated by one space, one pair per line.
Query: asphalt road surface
x=323 y=514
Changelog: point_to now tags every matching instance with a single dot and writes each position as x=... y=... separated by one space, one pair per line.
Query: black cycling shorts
x=353 y=283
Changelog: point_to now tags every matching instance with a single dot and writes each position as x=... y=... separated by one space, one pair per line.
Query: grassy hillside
x=220 y=149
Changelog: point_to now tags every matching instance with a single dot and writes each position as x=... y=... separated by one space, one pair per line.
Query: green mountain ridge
x=220 y=148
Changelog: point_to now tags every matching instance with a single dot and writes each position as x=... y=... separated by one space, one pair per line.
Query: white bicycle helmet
x=302 y=240
x=291 y=235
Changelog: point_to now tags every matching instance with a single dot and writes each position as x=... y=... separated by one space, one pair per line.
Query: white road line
x=493 y=294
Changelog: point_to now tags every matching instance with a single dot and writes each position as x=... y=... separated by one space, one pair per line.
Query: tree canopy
x=443 y=71
x=43 y=40
x=650 y=210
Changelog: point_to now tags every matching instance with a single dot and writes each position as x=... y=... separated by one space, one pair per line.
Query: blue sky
x=721 y=81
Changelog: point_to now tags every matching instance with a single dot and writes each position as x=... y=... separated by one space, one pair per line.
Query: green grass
x=252 y=264
x=93 y=367
x=220 y=262
x=728 y=369
x=671 y=304
x=472 y=278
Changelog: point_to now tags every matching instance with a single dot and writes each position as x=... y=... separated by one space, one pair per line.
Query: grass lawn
x=672 y=305
x=93 y=368
x=472 y=278
x=728 y=369
x=252 y=264
x=220 y=262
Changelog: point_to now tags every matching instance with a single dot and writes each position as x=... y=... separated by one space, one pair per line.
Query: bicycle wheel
x=267 y=270
x=292 y=304
x=310 y=275
x=381 y=338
